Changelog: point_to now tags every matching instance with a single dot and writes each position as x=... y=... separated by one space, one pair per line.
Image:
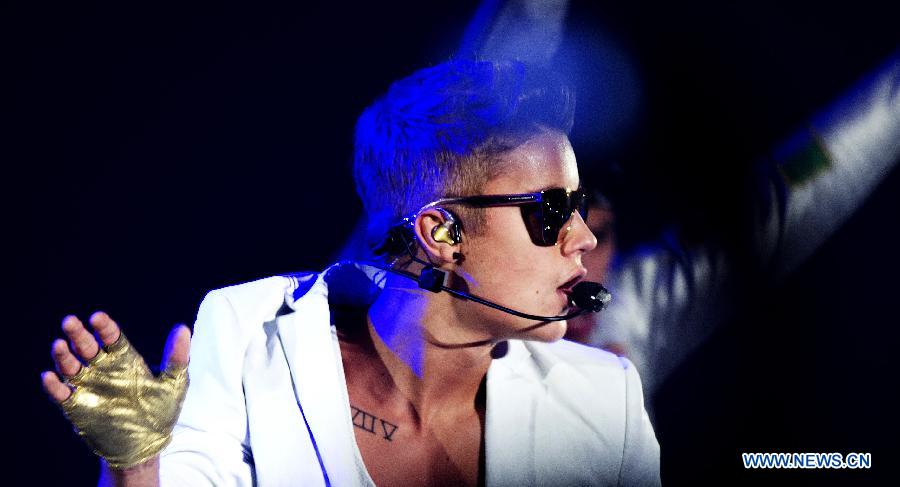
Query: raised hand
x=119 y=408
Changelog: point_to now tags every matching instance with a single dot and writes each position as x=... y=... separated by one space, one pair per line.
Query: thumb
x=178 y=346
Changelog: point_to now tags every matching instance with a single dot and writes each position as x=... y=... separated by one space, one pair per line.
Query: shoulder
x=567 y=354
x=261 y=297
x=243 y=307
x=572 y=369
x=606 y=389
x=263 y=288
x=586 y=401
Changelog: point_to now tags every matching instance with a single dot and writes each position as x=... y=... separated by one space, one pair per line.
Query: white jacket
x=267 y=403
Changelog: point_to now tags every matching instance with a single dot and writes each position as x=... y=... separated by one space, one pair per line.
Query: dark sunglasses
x=545 y=212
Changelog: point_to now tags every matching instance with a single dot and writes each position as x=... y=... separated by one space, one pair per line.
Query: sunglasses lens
x=534 y=223
x=544 y=220
x=556 y=209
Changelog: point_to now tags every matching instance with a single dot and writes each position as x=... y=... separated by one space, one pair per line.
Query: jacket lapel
x=309 y=347
x=511 y=411
x=281 y=452
x=549 y=424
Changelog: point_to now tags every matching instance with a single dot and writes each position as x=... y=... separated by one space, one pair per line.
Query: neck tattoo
x=373 y=424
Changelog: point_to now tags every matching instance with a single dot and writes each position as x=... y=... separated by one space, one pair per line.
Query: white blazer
x=267 y=403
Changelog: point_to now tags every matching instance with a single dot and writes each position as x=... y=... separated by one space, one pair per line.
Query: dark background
x=154 y=152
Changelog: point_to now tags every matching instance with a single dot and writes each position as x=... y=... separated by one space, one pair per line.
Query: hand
x=119 y=408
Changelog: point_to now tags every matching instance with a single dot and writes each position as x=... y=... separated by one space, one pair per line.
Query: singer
x=418 y=367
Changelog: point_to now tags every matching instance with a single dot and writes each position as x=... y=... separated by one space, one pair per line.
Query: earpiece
x=400 y=236
x=447 y=232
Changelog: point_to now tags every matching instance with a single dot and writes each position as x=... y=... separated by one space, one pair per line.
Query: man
x=362 y=375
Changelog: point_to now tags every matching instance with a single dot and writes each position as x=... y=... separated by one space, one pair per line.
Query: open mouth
x=566 y=290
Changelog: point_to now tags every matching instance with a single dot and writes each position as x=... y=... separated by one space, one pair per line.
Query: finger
x=178 y=346
x=66 y=363
x=105 y=327
x=83 y=343
x=54 y=387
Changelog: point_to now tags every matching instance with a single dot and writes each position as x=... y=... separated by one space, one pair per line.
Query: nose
x=576 y=236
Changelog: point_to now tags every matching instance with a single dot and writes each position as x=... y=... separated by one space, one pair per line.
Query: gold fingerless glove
x=120 y=409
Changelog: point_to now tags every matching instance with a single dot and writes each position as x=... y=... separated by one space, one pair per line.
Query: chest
x=395 y=452
x=523 y=441
x=400 y=447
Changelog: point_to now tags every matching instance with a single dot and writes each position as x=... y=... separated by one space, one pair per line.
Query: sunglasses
x=545 y=213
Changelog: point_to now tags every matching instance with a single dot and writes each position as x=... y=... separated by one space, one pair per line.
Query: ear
x=439 y=235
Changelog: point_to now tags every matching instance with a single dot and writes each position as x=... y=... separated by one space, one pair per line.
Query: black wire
x=467 y=296
x=472 y=297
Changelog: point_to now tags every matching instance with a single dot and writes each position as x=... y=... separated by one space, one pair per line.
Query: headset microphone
x=590 y=296
x=586 y=296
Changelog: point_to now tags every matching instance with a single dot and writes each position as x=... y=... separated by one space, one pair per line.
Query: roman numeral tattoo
x=367 y=422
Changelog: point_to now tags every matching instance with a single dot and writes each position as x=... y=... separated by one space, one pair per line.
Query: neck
x=410 y=328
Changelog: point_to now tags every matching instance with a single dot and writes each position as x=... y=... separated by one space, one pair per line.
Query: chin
x=550 y=331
